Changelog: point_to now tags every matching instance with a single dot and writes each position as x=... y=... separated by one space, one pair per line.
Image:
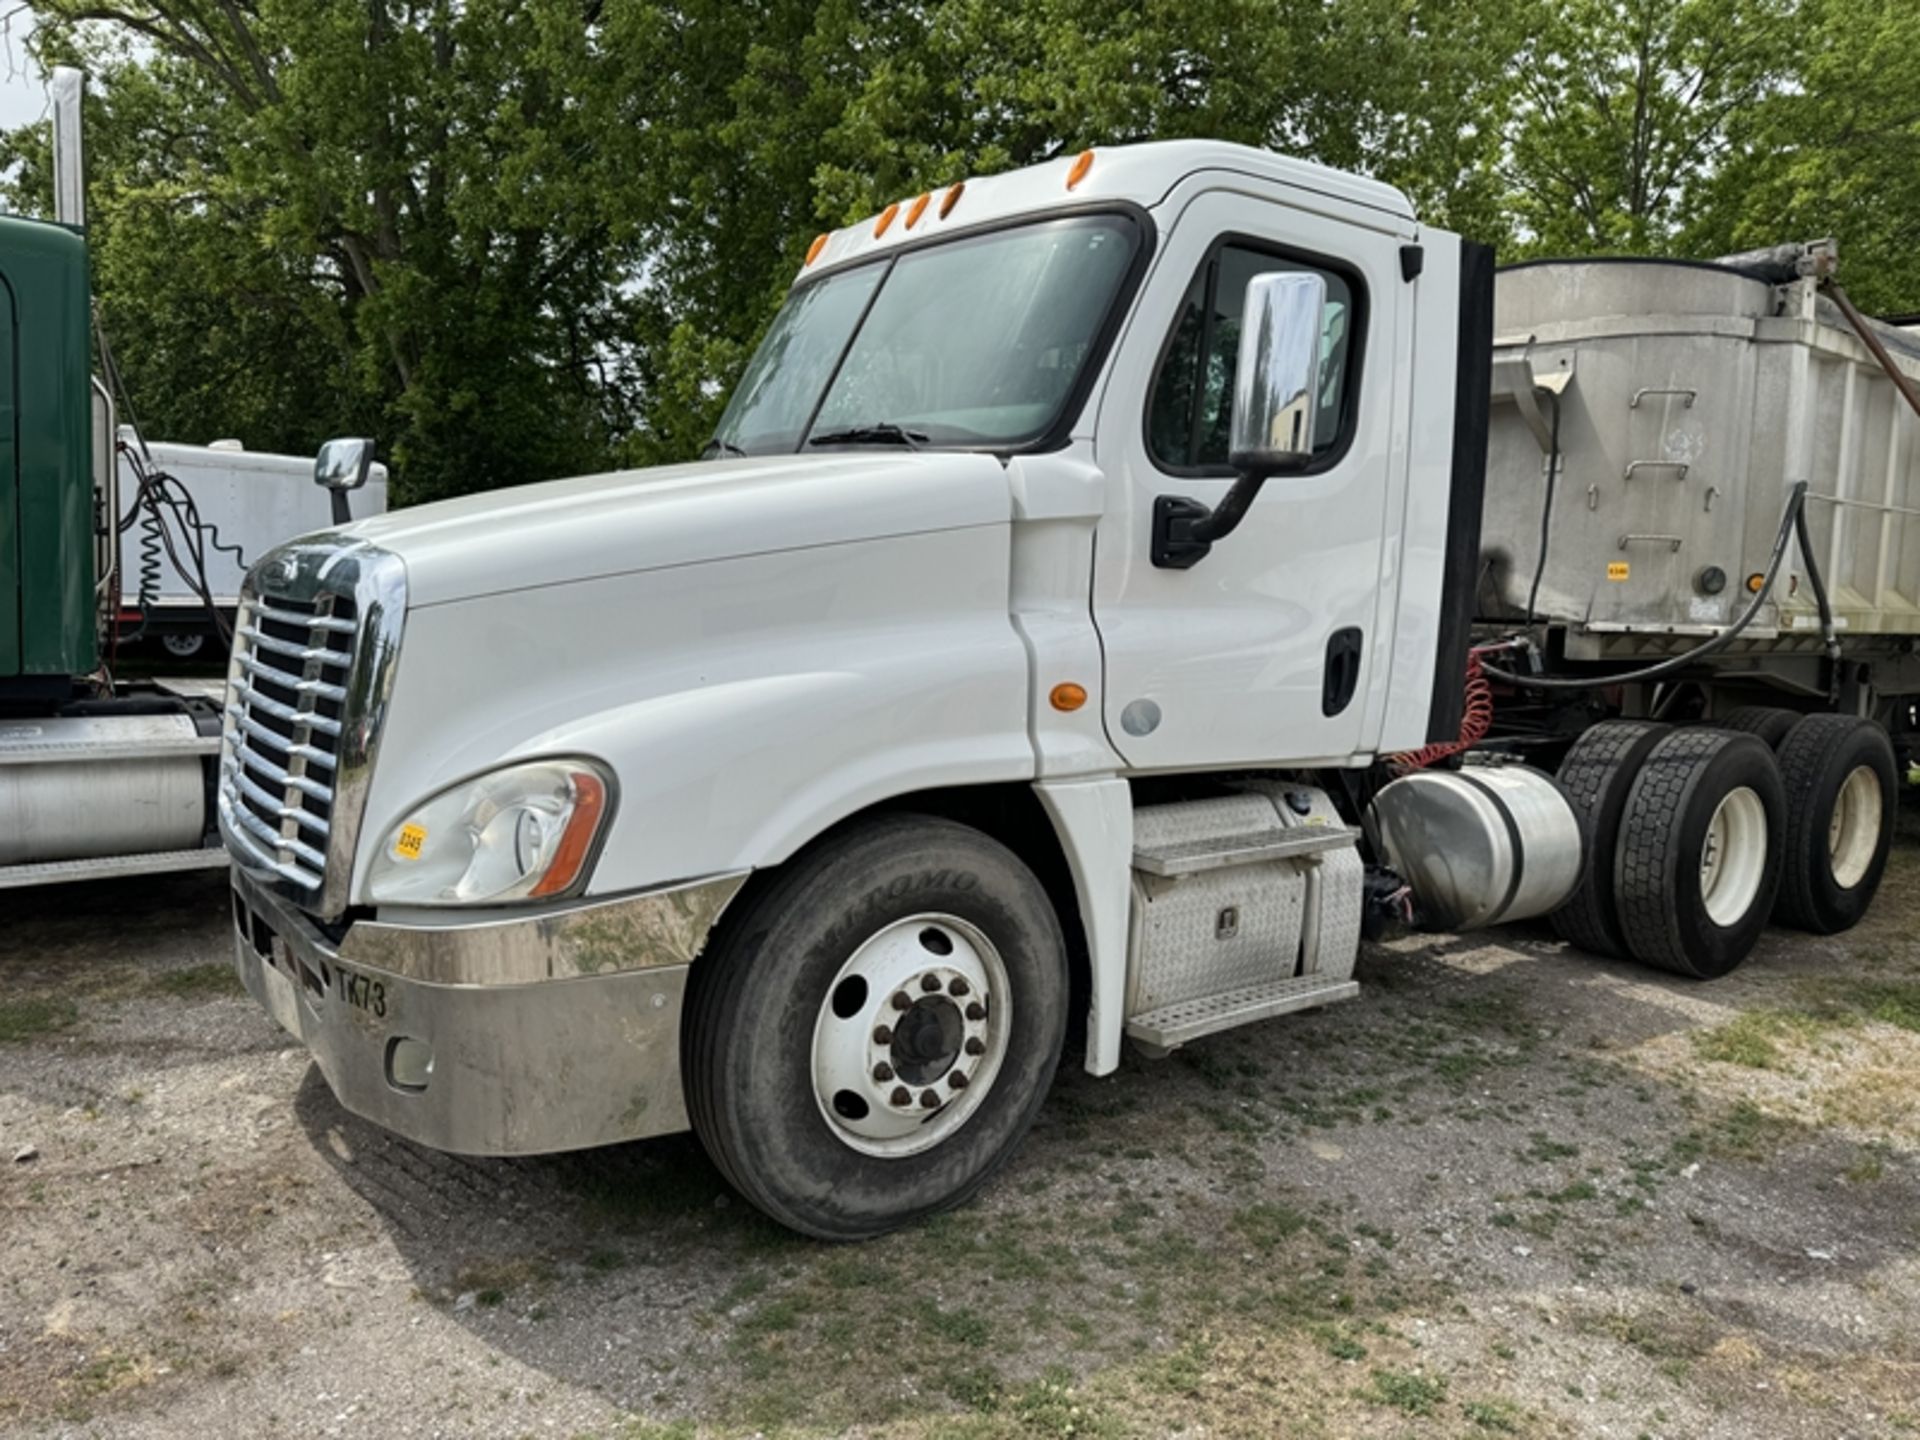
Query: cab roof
x=1142 y=174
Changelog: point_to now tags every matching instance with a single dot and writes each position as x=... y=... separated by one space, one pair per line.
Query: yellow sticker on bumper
x=1616 y=570
x=412 y=837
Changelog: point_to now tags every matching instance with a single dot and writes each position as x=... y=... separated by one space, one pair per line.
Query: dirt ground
x=1508 y=1191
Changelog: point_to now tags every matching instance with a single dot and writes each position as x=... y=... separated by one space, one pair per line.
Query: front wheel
x=872 y=1034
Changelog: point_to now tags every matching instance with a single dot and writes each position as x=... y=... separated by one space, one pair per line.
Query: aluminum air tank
x=101 y=796
x=1479 y=845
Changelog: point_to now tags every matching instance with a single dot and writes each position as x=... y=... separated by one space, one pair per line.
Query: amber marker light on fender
x=1068 y=696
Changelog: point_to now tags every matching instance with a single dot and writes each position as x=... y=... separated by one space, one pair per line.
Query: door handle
x=1342 y=675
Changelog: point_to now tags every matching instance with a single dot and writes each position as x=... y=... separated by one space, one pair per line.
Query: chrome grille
x=286 y=713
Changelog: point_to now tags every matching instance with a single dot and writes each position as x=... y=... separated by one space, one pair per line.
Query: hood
x=632 y=520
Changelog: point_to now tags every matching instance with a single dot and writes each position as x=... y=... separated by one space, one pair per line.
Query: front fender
x=743 y=705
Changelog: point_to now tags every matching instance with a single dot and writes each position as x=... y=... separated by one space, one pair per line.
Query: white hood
x=634 y=520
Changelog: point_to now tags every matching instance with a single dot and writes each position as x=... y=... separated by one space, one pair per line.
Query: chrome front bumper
x=518 y=1066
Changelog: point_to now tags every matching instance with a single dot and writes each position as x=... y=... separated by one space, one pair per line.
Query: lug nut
x=959 y=985
x=958 y=1080
x=900 y=1096
x=929 y=983
x=900 y=1000
x=883 y=1072
x=882 y=1035
x=976 y=1011
x=976 y=1046
x=929 y=1099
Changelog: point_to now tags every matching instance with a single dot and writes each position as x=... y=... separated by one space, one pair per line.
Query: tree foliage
x=520 y=238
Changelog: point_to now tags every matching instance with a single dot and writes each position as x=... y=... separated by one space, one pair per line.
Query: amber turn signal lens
x=886 y=219
x=819 y=244
x=589 y=807
x=951 y=198
x=1068 y=696
x=918 y=208
x=1080 y=168
x=1754 y=582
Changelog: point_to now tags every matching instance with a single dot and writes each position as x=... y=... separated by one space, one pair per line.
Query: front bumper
x=517 y=1068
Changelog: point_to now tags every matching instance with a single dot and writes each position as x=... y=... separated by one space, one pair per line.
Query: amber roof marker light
x=819 y=244
x=1081 y=166
x=951 y=198
x=918 y=208
x=886 y=219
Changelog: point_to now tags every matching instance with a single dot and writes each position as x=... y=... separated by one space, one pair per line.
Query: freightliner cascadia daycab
x=972 y=692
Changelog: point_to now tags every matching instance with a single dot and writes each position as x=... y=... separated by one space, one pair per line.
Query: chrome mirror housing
x=1275 y=384
x=343 y=464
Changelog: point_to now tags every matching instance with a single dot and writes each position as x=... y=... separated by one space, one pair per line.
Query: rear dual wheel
x=1841 y=796
x=1696 y=868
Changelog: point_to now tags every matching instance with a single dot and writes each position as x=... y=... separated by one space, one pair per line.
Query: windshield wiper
x=725 y=447
x=883 y=433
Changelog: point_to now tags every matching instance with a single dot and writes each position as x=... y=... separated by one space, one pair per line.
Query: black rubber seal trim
x=1467 y=491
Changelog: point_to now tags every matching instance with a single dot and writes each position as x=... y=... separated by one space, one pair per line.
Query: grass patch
x=1266 y=1226
x=26 y=1019
x=197 y=982
x=1759 y=1039
x=1499 y=1416
x=1399 y=1390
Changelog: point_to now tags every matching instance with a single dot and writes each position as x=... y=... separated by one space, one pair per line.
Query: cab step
x=1194 y=857
x=1176 y=1024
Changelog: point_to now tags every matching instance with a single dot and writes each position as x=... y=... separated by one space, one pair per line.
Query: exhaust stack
x=69 y=157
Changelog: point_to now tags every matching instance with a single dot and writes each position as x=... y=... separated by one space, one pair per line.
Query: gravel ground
x=1510 y=1190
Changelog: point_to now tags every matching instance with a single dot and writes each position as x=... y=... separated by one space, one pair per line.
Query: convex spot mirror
x=343 y=464
x=1276 y=382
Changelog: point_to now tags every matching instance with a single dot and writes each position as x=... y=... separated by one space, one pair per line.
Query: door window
x=1190 y=411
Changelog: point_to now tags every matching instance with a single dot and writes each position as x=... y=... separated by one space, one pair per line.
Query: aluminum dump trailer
x=1690 y=398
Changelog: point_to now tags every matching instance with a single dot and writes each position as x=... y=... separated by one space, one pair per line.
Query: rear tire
x=1841 y=798
x=782 y=1040
x=1697 y=863
x=1596 y=777
x=1766 y=723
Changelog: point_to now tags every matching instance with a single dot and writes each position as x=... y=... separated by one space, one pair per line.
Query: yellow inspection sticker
x=412 y=837
x=1616 y=570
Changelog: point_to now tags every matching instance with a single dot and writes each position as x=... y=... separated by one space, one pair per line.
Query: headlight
x=524 y=832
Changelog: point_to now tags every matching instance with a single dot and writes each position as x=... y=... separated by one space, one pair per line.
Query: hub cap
x=1853 y=834
x=1734 y=856
x=910 y=1035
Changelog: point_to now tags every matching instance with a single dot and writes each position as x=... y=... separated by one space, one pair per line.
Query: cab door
x=1266 y=650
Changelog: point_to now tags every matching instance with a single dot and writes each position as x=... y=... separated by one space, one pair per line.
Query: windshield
x=975 y=343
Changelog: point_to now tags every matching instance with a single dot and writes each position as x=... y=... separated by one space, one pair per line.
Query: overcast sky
x=23 y=93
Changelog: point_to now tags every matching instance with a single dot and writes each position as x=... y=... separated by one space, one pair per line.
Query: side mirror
x=1275 y=383
x=342 y=466
x=1275 y=399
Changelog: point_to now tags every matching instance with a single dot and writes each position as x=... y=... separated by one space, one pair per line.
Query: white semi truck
x=973 y=692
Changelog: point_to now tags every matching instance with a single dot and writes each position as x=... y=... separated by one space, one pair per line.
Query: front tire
x=1841 y=796
x=1698 y=863
x=833 y=1107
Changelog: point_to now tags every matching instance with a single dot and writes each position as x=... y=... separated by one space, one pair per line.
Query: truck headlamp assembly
x=525 y=832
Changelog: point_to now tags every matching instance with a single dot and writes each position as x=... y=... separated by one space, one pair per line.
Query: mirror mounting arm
x=1184 y=530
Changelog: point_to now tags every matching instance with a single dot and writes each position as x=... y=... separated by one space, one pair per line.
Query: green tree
x=1621 y=108
x=1837 y=153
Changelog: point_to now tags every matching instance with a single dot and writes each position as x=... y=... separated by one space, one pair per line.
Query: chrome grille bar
x=279 y=814
x=314 y=653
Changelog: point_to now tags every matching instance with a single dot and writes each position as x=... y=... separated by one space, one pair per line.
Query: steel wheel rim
x=184 y=646
x=1853 y=832
x=1733 y=857
x=894 y=1079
